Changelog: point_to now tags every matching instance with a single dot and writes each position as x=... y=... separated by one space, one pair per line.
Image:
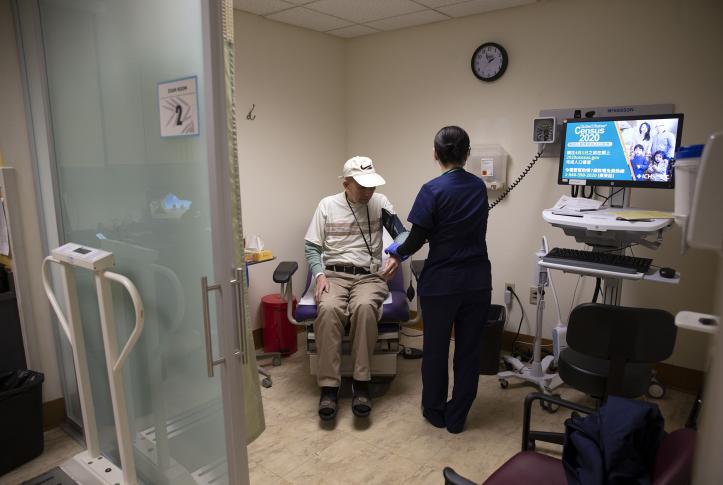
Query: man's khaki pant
x=354 y=300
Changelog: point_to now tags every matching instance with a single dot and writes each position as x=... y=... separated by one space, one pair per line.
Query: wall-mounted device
x=553 y=149
x=705 y=228
x=544 y=129
x=489 y=162
x=621 y=151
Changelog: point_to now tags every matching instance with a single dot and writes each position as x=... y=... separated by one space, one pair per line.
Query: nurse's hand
x=390 y=268
x=322 y=285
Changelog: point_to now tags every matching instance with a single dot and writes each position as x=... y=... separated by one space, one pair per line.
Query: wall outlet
x=509 y=288
x=533 y=295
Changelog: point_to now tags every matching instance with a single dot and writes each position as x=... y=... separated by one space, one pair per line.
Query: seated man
x=346 y=233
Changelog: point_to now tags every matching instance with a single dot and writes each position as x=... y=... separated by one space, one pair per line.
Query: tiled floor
x=394 y=445
x=58 y=448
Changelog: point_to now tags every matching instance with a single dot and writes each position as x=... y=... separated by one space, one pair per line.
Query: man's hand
x=322 y=285
x=390 y=268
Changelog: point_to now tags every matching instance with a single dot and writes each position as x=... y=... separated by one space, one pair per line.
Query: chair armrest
x=452 y=478
x=549 y=437
x=284 y=271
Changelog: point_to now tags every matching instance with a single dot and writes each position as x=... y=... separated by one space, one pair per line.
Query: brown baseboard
x=680 y=378
x=673 y=376
x=53 y=413
x=523 y=342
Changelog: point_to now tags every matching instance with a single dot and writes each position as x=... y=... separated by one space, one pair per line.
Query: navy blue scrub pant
x=468 y=312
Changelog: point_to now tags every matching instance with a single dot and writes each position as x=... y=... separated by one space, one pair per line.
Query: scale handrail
x=140 y=317
x=53 y=301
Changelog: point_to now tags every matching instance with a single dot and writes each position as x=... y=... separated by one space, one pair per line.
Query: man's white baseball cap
x=362 y=170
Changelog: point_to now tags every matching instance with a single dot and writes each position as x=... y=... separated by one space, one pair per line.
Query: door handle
x=205 y=290
x=237 y=284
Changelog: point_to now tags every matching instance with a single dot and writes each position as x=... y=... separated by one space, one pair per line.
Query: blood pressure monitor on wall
x=544 y=130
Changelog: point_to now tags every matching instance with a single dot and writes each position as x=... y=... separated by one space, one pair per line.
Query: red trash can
x=279 y=333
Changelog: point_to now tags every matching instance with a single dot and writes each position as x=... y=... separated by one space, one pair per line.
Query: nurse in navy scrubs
x=455 y=287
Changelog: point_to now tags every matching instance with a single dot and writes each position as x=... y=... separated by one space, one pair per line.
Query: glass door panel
x=124 y=188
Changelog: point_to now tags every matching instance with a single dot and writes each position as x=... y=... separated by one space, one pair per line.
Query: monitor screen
x=632 y=151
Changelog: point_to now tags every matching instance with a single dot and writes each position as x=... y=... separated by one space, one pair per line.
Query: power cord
x=574 y=293
x=522 y=317
x=527 y=169
x=605 y=199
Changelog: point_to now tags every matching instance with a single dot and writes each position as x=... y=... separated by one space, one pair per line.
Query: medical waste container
x=279 y=333
x=21 y=418
x=492 y=341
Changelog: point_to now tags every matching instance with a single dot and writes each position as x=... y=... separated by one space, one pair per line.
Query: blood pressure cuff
x=392 y=224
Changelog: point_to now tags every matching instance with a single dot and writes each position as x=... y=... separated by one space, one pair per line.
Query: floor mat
x=56 y=476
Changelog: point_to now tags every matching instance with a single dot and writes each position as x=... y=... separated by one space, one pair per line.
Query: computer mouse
x=667 y=272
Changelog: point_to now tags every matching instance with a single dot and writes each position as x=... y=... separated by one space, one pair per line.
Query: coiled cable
x=518 y=179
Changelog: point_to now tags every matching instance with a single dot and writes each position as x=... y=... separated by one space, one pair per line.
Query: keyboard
x=617 y=263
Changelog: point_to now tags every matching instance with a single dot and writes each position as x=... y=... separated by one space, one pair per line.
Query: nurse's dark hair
x=451 y=144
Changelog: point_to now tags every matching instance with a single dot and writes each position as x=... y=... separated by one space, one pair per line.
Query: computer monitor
x=621 y=151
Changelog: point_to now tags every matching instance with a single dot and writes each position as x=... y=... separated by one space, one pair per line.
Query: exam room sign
x=178 y=107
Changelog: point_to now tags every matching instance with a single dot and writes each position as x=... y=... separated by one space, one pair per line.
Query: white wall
x=320 y=99
x=402 y=86
x=291 y=154
x=15 y=147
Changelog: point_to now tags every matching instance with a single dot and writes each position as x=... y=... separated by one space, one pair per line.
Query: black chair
x=611 y=351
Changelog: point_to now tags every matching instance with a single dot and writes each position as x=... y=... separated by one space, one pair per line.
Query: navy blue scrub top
x=453 y=208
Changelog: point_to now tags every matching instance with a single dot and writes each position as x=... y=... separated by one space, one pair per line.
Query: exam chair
x=395 y=314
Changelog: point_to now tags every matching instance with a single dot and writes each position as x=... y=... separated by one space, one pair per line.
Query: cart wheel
x=266 y=382
x=550 y=407
x=276 y=361
x=504 y=384
x=656 y=390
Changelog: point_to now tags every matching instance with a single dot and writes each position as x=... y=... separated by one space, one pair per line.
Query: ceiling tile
x=353 y=31
x=309 y=19
x=438 y=3
x=299 y=2
x=365 y=11
x=409 y=20
x=261 y=7
x=472 y=7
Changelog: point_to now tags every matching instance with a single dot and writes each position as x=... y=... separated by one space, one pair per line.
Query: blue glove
x=392 y=251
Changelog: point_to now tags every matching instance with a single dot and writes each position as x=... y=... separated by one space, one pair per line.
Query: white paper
x=4 y=237
x=178 y=107
x=487 y=167
x=576 y=204
x=254 y=243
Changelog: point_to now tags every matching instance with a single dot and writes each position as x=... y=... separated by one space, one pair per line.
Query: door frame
x=40 y=132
